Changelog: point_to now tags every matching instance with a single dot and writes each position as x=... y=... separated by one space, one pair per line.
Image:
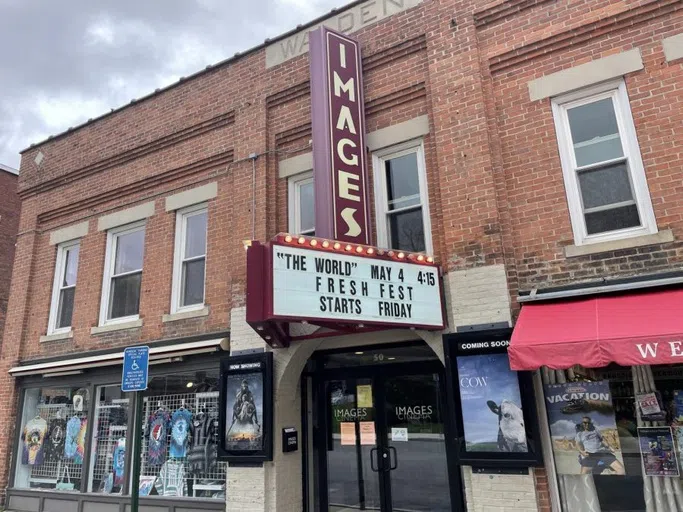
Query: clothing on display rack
x=74 y=443
x=171 y=480
x=33 y=438
x=54 y=443
x=203 y=451
x=119 y=461
x=157 y=436
x=180 y=432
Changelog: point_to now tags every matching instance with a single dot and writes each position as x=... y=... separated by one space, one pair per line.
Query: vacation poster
x=491 y=404
x=583 y=428
x=244 y=412
x=658 y=452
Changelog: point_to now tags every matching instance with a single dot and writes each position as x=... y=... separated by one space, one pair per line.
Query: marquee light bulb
x=371 y=251
x=288 y=238
x=337 y=246
x=326 y=244
x=314 y=243
x=348 y=248
x=420 y=258
x=430 y=260
x=391 y=254
x=359 y=249
x=302 y=240
x=401 y=255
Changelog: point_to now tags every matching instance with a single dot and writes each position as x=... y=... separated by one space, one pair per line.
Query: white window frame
x=381 y=210
x=294 y=200
x=178 y=260
x=57 y=286
x=109 y=262
x=616 y=90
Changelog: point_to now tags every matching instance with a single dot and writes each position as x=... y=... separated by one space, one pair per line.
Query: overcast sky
x=62 y=63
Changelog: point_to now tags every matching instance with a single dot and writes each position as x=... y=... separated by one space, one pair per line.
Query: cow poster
x=583 y=428
x=658 y=452
x=492 y=415
x=244 y=412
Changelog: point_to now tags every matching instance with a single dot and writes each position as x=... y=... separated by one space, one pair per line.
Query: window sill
x=572 y=251
x=184 y=315
x=103 y=329
x=57 y=337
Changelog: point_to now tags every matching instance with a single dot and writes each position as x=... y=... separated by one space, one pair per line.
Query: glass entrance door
x=384 y=439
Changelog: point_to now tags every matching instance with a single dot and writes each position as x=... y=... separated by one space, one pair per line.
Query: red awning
x=633 y=329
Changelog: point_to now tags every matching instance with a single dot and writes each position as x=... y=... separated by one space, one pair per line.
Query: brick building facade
x=480 y=93
x=9 y=222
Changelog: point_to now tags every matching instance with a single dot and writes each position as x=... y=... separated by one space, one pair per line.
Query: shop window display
x=617 y=436
x=179 y=448
x=52 y=438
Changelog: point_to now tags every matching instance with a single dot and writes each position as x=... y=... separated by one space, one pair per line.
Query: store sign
x=318 y=285
x=339 y=156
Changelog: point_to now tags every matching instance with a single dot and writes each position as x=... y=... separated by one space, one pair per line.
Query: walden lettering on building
x=319 y=285
x=347 y=22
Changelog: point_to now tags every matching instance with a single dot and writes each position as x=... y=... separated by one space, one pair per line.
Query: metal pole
x=137 y=451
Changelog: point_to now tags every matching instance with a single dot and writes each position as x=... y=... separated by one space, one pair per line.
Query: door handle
x=393 y=461
x=372 y=460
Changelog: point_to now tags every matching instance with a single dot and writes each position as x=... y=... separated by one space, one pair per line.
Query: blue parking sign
x=135 y=369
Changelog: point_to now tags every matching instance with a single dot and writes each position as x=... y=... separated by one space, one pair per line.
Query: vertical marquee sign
x=339 y=154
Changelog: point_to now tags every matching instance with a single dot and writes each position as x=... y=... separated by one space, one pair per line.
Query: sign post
x=134 y=380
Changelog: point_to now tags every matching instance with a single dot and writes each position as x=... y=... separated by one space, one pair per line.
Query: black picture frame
x=485 y=343
x=236 y=369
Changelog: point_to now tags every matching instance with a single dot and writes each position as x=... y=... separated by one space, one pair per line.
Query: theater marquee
x=336 y=285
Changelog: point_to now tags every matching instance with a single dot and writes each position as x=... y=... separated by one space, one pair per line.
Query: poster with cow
x=492 y=415
x=583 y=428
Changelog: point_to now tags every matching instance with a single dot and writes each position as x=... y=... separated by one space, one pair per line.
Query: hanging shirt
x=171 y=480
x=54 y=443
x=119 y=461
x=180 y=432
x=74 y=443
x=33 y=438
x=157 y=434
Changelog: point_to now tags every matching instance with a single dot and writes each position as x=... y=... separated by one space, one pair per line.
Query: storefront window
x=616 y=435
x=108 y=453
x=179 y=449
x=52 y=438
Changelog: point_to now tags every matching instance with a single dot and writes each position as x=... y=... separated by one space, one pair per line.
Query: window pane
x=608 y=185
x=108 y=455
x=125 y=296
x=193 y=282
x=179 y=449
x=129 y=252
x=51 y=439
x=611 y=220
x=403 y=185
x=195 y=233
x=70 y=266
x=306 y=207
x=407 y=231
x=595 y=132
x=66 y=307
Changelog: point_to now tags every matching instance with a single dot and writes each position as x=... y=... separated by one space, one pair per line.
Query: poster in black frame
x=490 y=344
x=246 y=408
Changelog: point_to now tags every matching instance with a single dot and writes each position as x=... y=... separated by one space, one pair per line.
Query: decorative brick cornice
x=146 y=184
x=396 y=52
x=391 y=100
x=584 y=33
x=293 y=134
x=140 y=151
x=503 y=10
x=289 y=94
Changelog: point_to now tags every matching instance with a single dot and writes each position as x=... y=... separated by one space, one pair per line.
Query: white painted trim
x=192 y=197
x=57 y=337
x=10 y=170
x=295 y=165
x=124 y=217
x=178 y=259
x=57 y=287
x=113 y=358
x=673 y=47
x=294 y=184
x=662 y=237
x=117 y=326
x=617 y=92
x=583 y=75
x=108 y=273
x=381 y=210
x=69 y=233
x=185 y=315
x=398 y=133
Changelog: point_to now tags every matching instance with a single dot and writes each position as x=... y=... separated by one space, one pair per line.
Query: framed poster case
x=246 y=408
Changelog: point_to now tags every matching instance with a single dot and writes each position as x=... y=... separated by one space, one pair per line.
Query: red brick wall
x=495 y=182
x=9 y=223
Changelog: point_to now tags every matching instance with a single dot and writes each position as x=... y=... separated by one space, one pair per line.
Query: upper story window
x=189 y=266
x=122 y=274
x=401 y=199
x=64 y=287
x=302 y=204
x=603 y=170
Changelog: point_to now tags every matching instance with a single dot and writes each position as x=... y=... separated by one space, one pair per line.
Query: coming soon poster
x=583 y=428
